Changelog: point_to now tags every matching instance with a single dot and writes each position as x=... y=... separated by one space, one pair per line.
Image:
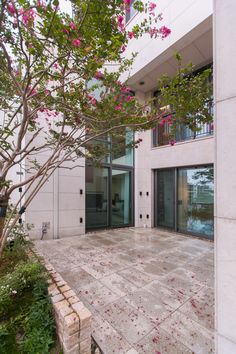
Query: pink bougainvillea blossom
x=93 y=102
x=129 y=98
x=65 y=30
x=152 y=6
x=27 y=16
x=120 y=20
x=76 y=42
x=126 y=89
x=165 y=32
x=123 y=48
x=172 y=142
x=118 y=108
x=162 y=122
x=40 y=3
x=131 y=35
x=98 y=75
x=11 y=9
x=127 y=2
x=72 y=26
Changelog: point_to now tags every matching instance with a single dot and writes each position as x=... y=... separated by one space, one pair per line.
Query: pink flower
x=152 y=6
x=120 y=19
x=128 y=98
x=65 y=30
x=118 y=108
x=131 y=35
x=98 y=75
x=55 y=66
x=72 y=26
x=93 y=102
x=165 y=32
x=11 y=9
x=40 y=3
x=123 y=48
x=127 y=2
x=27 y=16
x=33 y=93
x=126 y=89
x=76 y=42
x=162 y=122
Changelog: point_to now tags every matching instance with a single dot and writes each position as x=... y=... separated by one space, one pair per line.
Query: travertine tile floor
x=149 y=291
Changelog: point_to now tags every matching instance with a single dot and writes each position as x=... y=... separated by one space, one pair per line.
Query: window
x=130 y=12
x=184 y=200
x=163 y=134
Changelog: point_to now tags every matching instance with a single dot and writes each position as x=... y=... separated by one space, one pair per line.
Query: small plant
x=26 y=318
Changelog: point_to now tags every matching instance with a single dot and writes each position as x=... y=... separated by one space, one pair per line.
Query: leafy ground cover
x=26 y=319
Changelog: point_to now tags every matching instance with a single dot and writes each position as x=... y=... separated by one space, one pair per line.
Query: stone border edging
x=73 y=319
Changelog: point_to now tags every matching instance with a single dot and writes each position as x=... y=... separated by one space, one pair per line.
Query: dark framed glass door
x=109 y=197
x=184 y=200
x=97 y=197
x=165 y=198
x=121 y=198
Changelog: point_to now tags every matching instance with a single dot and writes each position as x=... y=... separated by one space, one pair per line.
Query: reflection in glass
x=195 y=200
x=121 y=194
x=122 y=153
x=96 y=197
x=165 y=198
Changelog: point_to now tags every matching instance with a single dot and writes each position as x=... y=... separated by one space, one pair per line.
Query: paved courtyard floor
x=149 y=291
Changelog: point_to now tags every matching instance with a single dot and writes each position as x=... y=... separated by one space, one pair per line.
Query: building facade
x=157 y=185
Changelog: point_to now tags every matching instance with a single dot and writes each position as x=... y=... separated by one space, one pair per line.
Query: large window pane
x=122 y=154
x=195 y=200
x=121 y=198
x=96 y=197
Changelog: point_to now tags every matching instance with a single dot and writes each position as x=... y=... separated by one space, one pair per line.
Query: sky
x=65 y=6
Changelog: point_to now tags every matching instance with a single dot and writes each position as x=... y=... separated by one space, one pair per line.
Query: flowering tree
x=47 y=60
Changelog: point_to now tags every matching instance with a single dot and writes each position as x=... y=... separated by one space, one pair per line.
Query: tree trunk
x=3 y=213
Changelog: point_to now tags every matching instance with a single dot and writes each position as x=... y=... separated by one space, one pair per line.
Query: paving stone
x=197 y=338
x=135 y=276
x=128 y=321
x=159 y=341
x=200 y=308
x=128 y=278
x=96 y=294
x=156 y=268
x=118 y=284
x=183 y=281
x=107 y=337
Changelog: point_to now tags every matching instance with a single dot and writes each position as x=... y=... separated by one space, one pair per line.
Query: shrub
x=12 y=285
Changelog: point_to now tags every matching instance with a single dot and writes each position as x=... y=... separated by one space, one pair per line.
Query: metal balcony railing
x=162 y=135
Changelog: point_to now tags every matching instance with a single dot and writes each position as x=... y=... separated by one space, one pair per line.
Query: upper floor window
x=164 y=134
x=130 y=12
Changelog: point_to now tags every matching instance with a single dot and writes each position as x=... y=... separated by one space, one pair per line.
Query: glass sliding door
x=196 y=200
x=97 y=197
x=165 y=202
x=121 y=198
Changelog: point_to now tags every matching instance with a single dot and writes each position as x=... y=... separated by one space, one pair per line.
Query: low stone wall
x=73 y=319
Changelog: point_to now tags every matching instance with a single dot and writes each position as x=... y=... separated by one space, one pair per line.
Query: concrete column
x=225 y=173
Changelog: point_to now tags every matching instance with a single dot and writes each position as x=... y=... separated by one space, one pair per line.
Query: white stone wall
x=225 y=171
x=147 y=159
x=188 y=20
x=59 y=203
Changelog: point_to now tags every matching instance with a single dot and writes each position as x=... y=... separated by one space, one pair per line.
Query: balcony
x=162 y=135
